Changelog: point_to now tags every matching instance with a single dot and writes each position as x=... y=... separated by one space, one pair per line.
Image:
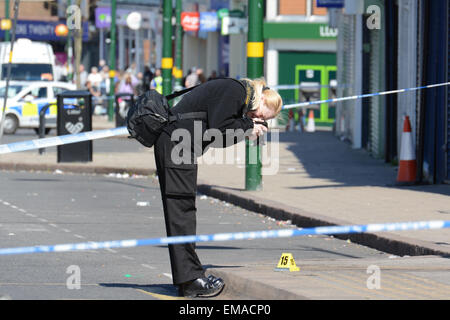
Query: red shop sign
x=190 y=21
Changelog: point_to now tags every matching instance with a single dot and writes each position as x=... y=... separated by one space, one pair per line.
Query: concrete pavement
x=318 y=180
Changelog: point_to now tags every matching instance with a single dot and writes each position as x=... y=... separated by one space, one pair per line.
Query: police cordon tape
x=284 y=233
x=363 y=96
x=61 y=140
x=107 y=133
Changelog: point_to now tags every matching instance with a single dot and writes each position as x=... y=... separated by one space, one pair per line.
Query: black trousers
x=178 y=184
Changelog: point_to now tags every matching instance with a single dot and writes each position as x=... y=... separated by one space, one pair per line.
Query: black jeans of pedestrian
x=178 y=184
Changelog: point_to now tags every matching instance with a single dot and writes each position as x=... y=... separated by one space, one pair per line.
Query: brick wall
x=30 y=11
x=34 y=10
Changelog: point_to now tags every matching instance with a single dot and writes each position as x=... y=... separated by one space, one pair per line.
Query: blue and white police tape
x=384 y=93
x=60 y=140
x=284 y=233
x=305 y=85
x=100 y=134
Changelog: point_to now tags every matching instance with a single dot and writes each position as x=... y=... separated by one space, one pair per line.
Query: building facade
x=37 y=21
x=300 y=48
x=433 y=109
x=301 y=52
x=388 y=45
x=141 y=46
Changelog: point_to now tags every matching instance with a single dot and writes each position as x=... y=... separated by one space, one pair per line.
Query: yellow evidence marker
x=286 y=263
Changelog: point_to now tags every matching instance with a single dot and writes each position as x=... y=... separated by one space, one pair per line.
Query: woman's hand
x=258 y=129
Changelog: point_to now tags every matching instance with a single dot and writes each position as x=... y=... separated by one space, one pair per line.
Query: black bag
x=150 y=114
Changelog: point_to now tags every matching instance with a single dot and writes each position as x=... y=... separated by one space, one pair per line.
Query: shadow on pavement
x=159 y=289
x=324 y=156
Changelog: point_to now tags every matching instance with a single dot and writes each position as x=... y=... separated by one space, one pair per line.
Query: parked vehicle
x=25 y=101
x=31 y=61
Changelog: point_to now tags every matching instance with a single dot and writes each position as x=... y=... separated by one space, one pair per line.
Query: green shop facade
x=303 y=55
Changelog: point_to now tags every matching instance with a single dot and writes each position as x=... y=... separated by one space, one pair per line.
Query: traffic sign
x=330 y=3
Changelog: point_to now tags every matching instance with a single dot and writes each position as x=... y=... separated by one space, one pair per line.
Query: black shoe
x=214 y=279
x=201 y=287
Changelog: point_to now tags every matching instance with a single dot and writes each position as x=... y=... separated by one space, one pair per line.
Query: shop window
x=300 y=7
x=318 y=11
x=292 y=7
x=51 y=6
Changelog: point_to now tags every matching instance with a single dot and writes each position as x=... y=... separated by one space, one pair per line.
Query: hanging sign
x=232 y=25
x=330 y=3
x=190 y=21
x=209 y=21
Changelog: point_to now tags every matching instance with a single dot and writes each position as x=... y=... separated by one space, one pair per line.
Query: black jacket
x=224 y=101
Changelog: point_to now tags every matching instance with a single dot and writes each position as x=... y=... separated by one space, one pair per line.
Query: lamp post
x=112 y=61
x=7 y=37
x=178 y=70
x=255 y=69
x=69 y=52
x=167 y=60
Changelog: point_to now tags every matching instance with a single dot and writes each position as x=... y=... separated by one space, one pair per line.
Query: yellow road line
x=392 y=287
x=160 y=296
x=437 y=287
x=352 y=291
x=363 y=290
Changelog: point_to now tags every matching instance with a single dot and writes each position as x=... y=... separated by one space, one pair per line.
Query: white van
x=31 y=61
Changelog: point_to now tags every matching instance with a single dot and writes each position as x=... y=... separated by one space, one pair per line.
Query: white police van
x=31 y=60
x=25 y=101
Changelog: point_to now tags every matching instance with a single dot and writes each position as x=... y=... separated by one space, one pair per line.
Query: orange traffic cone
x=311 y=127
x=408 y=167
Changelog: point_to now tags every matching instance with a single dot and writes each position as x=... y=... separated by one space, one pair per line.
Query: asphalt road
x=50 y=208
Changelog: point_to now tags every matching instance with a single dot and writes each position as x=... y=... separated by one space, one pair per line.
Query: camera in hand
x=264 y=123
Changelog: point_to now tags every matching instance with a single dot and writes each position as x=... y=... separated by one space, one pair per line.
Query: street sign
x=232 y=25
x=330 y=3
x=41 y=30
x=134 y=20
x=103 y=18
x=209 y=21
x=190 y=21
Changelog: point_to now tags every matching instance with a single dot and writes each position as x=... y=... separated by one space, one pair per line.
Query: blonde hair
x=273 y=100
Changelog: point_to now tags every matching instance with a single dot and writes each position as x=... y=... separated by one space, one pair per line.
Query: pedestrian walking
x=140 y=87
x=105 y=83
x=223 y=104
x=301 y=120
x=95 y=77
x=191 y=78
x=126 y=85
x=94 y=91
x=200 y=76
x=157 y=82
x=148 y=77
x=132 y=69
x=213 y=75
x=83 y=75
x=96 y=97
